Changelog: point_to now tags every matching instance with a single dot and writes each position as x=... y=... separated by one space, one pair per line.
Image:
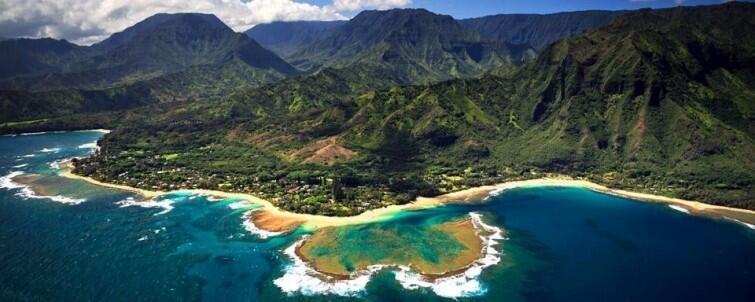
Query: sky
x=90 y=21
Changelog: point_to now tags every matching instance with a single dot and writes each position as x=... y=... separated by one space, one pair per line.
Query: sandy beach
x=66 y=172
x=276 y=220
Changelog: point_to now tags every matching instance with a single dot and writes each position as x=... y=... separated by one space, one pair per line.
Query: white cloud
x=353 y=5
x=89 y=21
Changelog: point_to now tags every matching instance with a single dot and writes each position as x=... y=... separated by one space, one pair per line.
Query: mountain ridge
x=538 y=30
x=415 y=44
x=652 y=102
x=161 y=44
x=164 y=58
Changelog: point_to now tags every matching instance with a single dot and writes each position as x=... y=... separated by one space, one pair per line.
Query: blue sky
x=89 y=21
x=476 y=8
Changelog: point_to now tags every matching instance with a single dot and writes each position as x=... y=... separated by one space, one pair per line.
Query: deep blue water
x=564 y=244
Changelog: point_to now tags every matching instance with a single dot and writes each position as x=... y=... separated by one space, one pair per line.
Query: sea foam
x=236 y=205
x=748 y=225
x=31 y=133
x=38 y=133
x=251 y=228
x=165 y=204
x=104 y=131
x=89 y=146
x=7 y=180
x=58 y=163
x=465 y=284
x=24 y=191
x=50 y=150
x=678 y=208
x=214 y=198
x=301 y=278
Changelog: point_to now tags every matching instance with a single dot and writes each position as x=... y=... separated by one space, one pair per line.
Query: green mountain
x=285 y=38
x=159 y=45
x=649 y=102
x=165 y=58
x=538 y=31
x=29 y=57
x=412 y=45
x=658 y=101
x=198 y=83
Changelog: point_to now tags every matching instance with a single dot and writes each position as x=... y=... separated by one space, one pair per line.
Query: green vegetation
x=658 y=101
x=538 y=31
x=165 y=58
x=409 y=45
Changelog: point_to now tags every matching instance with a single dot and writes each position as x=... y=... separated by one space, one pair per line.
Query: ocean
x=67 y=240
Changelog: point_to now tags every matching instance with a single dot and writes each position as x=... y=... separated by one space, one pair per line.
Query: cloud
x=354 y=5
x=89 y=21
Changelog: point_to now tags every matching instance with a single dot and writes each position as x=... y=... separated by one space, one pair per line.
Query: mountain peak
x=186 y=21
x=397 y=11
x=159 y=45
x=414 y=44
x=400 y=17
x=375 y=26
x=191 y=18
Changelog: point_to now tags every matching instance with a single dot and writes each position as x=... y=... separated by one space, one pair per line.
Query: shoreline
x=279 y=220
x=66 y=172
x=105 y=131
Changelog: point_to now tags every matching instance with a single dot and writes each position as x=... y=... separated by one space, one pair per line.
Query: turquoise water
x=563 y=244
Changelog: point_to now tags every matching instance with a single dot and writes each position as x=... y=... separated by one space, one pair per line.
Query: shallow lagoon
x=563 y=244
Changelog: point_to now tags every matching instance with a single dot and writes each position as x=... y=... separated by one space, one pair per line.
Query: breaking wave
x=38 y=133
x=678 y=208
x=251 y=228
x=155 y=232
x=7 y=180
x=50 y=150
x=466 y=283
x=236 y=205
x=32 y=133
x=748 y=225
x=105 y=131
x=301 y=278
x=89 y=146
x=58 y=163
x=165 y=204
x=25 y=191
